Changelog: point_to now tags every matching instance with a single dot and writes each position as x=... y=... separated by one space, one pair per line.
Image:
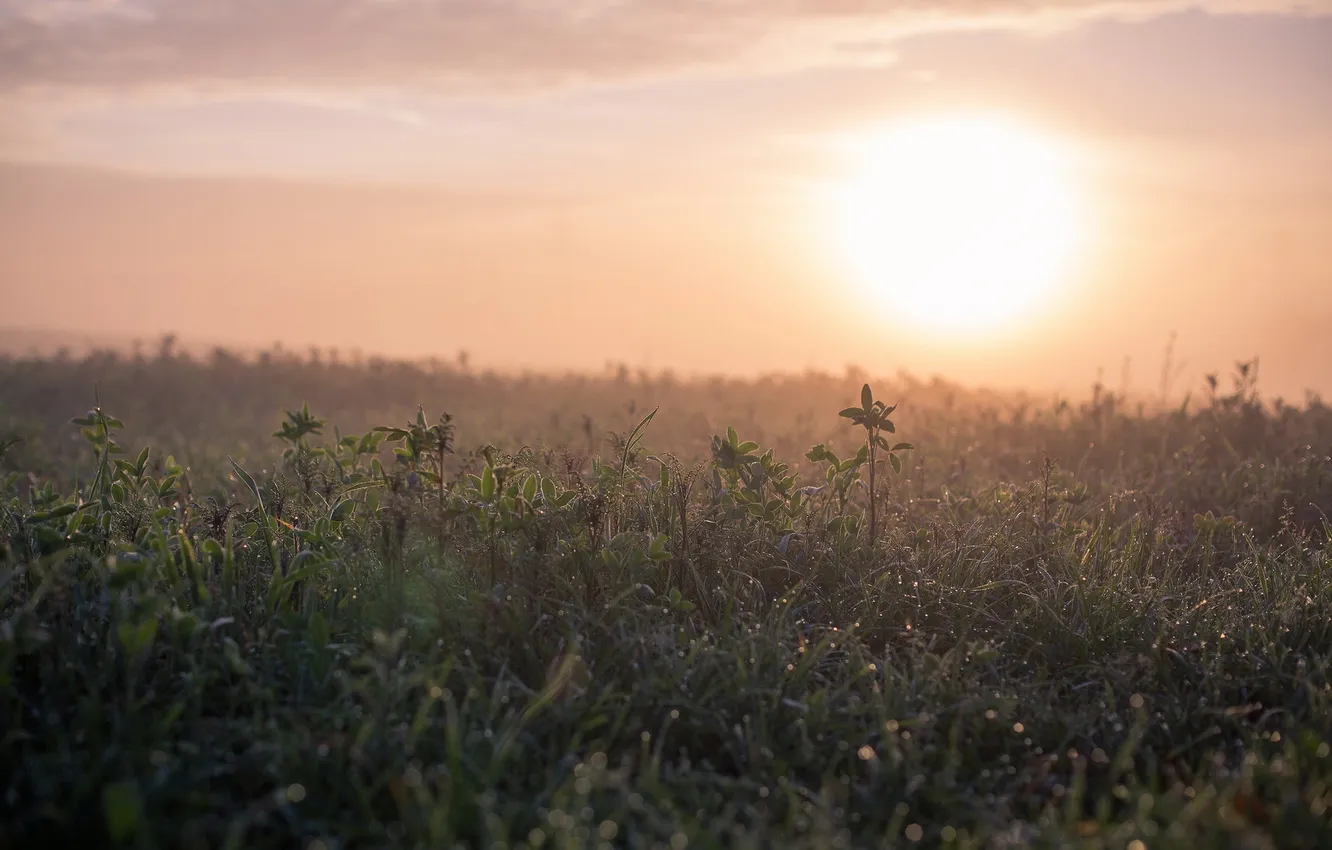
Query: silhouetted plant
x=873 y=416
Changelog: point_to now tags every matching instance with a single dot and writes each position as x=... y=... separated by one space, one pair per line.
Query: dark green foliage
x=1067 y=626
x=873 y=417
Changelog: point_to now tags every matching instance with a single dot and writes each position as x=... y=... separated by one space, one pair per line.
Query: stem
x=492 y=553
x=1045 y=495
x=102 y=456
x=440 y=537
x=874 y=514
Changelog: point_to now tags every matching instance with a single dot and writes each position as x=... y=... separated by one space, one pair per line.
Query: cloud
x=466 y=45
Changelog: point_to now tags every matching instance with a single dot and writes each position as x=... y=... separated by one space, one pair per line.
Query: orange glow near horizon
x=958 y=224
x=1004 y=194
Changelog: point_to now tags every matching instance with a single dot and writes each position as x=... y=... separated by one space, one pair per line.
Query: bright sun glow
x=959 y=223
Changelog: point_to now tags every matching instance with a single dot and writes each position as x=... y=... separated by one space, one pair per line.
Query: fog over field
x=668 y=199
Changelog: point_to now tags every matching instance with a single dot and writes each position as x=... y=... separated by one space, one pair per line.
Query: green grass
x=1075 y=625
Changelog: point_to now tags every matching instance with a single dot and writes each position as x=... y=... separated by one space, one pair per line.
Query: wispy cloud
x=466 y=45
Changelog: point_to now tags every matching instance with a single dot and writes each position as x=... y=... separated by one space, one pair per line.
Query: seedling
x=873 y=417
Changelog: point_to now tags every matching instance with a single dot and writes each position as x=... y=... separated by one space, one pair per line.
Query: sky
x=561 y=185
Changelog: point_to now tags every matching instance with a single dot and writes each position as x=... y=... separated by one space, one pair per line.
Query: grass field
x=558 y=619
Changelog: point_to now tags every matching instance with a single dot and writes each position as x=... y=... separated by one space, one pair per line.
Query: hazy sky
x=560 y=184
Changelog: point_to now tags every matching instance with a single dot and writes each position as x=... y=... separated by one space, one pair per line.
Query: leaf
x=530 y=489
x=746 y=447
x=319 y=630
x=852 y=413
x=125 y=572
x=304 y=572
x=247 y=479
x=657 y=550
x=896 y=462
x=342 y=510
x=637 y=433
x=136 y=638
x=866 y=398
x=487 y=483
x=122 y=807
x=62 y=510
x=903 y=447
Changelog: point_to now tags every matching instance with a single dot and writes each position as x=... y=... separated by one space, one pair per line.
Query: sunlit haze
x=1008 y=194
x=963 y=223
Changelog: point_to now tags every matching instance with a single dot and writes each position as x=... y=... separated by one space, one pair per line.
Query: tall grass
x=1073 y=624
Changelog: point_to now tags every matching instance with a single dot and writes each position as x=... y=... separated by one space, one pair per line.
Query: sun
x=959 y=223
